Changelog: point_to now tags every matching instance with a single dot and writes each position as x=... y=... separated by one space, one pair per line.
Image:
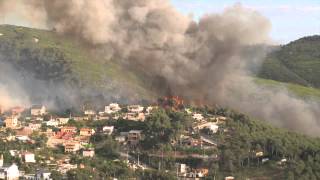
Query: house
x=86 y=132
x=259 y=154
x=134 y=136
x=102 y=117
x=83 y=140
x=149 y=110
x=219 y=119
x=71 y=146
x=88 y=153
x=282 y=161
x=135 y=108
x=135 y=116
x=229 y=178
x=9 y=172
x=182 y=169
x=1 y=160
x=10 y=138
x=11 y=122
x=63 y=121
x=43 y=174
x=188 y=110
x=205 y=142
x=38 y=110
x=39 y=118
x=191 y=142
x=28 y=157
x=108 y=129
x=80 y=118
x=34 y=126
x=112 y=108
x=197 y=116
x=213 y=127
x=36 y=40
x=69 y=129
x=89 y=112
x=265 y=160
x=65 y=167
x=28 y=176
x=54 y=142
x=52 y=122
x=120 y=139
x=196 y=174
x=23 y=138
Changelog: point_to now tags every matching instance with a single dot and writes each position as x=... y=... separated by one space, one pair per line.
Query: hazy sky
x=291 y=19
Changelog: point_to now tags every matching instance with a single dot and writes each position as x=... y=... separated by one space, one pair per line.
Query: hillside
x=55 y=68
x=44 y=59
x=298 y=62
x=303 y=92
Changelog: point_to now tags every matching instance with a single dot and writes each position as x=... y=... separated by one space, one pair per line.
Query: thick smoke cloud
x=11 y=92
x=202 y=61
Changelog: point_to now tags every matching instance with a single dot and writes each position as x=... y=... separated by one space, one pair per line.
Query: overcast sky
x=291 y=19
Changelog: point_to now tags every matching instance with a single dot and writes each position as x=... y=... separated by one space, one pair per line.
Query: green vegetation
x=48 y=56
x=298 y=90
x=246 y=137
x=45 y=55
x=298 y=62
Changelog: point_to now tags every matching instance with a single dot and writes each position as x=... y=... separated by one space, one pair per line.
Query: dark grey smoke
x=197 y=60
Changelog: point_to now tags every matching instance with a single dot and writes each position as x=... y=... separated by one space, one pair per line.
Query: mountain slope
x=45 y=59
x=296 y=89
x=298 y=62
x=50 y=66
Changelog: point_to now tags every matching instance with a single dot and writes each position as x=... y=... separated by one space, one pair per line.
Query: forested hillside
x=298 y=62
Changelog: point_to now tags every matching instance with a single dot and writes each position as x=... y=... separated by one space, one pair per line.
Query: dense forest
x=297 y=62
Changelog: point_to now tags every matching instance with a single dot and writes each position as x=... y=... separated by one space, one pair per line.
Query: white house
x=52 y=122
x=112 y=108
x=197 y=116
x=63 y=121
x=135 y=116
x=89 y=112
x=9 y=172
x=28 y=157
x=213 y=127
x=229 y=178
x=149 y=110
x=23 y=138
x=108 y=129
x=120 y=139
x=135 y=108
x=88 y=153
x=11 y=122
x=1 y=160
x=34 y=126
x=38 y=110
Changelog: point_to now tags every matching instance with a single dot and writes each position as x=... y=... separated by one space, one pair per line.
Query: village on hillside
x=38 y=144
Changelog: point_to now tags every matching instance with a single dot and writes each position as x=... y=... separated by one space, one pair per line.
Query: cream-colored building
x=11 y=122
x=38 y=110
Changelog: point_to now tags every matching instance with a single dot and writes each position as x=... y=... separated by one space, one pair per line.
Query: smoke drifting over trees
x=201 y=61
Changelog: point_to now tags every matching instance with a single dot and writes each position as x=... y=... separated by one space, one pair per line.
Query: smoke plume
x=205 y=60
